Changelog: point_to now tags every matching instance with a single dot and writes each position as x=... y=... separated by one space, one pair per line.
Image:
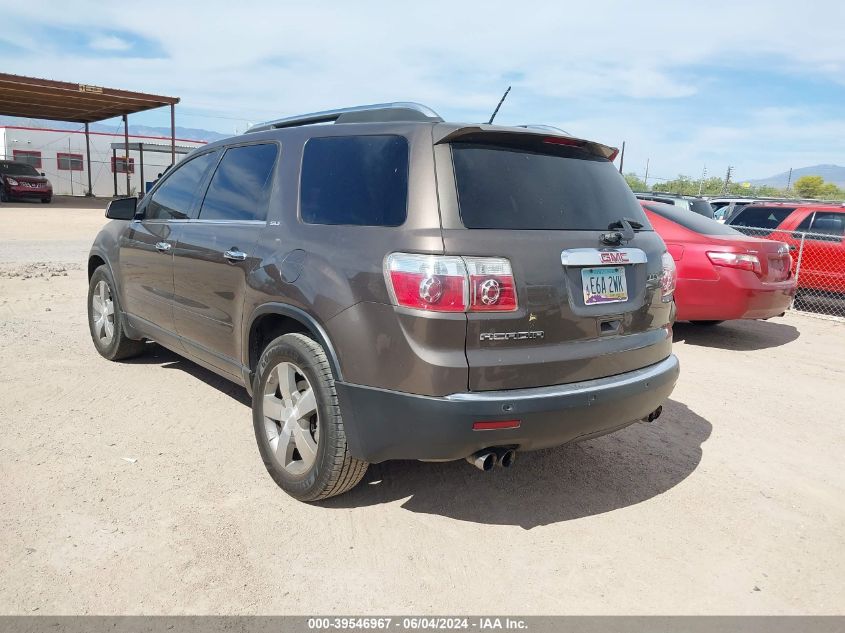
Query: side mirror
x=43 y=174
x=122 y=209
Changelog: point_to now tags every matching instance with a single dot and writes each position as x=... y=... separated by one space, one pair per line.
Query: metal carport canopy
x=33 y=98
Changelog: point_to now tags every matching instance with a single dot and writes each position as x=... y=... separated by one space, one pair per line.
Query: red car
x=823 y=230
x=722 y=274
x=19 y=180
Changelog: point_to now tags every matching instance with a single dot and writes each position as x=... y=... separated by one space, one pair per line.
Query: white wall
x=52 y=142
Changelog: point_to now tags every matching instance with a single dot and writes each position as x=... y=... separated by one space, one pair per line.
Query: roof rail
x=543 y=126
x=374 y=113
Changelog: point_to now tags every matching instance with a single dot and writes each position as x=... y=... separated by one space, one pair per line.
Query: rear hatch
x=586 y=308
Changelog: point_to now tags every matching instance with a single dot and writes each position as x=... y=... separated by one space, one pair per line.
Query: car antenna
x=501 y=101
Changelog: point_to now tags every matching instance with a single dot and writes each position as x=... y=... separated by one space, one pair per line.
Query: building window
x=28 y=157
x=118 y=165
x=69 y=162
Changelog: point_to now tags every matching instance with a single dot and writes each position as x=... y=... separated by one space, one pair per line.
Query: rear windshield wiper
x=628 y=227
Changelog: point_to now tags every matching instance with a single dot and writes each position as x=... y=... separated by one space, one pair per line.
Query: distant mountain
x=188 y=133
x=830 y=173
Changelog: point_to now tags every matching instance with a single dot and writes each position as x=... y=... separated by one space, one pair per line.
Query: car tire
x=706 y=323
x=46 y=200
x=3 y=196
x=105 y=319
x=298 y=423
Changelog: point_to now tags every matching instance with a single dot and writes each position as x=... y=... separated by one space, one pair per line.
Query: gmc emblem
x=613 y=258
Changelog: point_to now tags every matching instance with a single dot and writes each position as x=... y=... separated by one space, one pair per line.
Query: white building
x=60 y=155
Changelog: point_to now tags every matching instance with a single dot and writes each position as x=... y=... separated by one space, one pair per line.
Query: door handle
x=235 y=255
x=163 y=247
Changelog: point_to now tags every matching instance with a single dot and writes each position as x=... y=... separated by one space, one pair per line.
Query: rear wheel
x=298 y=425
x=105 y=320
x=706 y=323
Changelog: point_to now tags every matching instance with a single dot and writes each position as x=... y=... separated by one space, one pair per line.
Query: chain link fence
x=818 y=263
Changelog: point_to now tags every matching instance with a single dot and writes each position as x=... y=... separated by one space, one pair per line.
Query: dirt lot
x=136 y=487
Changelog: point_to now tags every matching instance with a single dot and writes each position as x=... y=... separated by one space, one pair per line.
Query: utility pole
x=622 y=157
x=727 y=179
x=646 y=173
x=789 y=180
x=701 y=182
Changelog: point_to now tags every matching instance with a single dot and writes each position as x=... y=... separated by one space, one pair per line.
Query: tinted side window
x=359 y=180
x=805 y=223
x=175 y=198
x=240 y=187
x=829 y=224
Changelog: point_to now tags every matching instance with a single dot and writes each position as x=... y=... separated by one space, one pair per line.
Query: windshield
x=17 y=169
x=761 y=217
x=564 y=189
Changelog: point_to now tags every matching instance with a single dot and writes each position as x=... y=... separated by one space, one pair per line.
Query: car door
x=146 y=247
x=823 y=259
x=214 y=255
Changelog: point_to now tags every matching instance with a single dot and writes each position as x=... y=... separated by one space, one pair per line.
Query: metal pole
x=88 y=154
x=126 y=151
x=114 y=169
x=646 y=173
x=622 y=157
x=789 y=180
x=172 y=134
x=141 y=160
x=701 y=182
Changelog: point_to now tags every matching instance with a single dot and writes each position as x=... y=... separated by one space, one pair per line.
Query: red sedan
x=722 y=274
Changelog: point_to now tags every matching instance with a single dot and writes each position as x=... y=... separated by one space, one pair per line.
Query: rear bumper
x=382 y=424
x=732 y=296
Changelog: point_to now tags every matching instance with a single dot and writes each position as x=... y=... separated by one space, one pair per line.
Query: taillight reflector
x=495 y=424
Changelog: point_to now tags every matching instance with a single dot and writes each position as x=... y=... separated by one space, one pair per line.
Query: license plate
x=604 y=285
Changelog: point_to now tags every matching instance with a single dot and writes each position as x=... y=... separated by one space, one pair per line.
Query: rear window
x=691 y=221
x=360 y=180
x=508 y=188
x=761 y=217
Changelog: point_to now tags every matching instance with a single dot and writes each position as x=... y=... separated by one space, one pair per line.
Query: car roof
x=800 y=205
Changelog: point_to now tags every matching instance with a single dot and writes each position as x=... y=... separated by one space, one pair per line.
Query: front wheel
x=105 y=320
x=298 y=423
x=46 y=200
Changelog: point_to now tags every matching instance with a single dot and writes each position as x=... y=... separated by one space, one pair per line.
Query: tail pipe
x=506 y=457
x=651 y=417
x=483 y=460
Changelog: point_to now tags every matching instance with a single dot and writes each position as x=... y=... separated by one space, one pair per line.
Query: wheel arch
x=271 y=320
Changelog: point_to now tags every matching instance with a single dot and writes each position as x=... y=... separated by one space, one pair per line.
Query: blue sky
x=759 y=86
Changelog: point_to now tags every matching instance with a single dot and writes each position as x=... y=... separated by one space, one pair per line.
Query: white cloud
x=586 y=67
x=109 y=43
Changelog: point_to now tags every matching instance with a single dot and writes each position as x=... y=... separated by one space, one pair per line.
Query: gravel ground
x=136 y=487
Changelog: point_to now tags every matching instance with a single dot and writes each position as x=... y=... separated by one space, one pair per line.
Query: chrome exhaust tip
x=507 y=458
x=483 y=460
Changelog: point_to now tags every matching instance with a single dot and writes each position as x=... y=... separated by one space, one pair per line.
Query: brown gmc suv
x=391 y=286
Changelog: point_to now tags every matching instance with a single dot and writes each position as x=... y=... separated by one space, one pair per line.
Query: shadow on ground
x=549 y=486
x=628 y=467
x=157 y=355
x=741 y=336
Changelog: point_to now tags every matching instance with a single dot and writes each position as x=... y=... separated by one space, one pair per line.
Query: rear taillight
x=428 y=282
x=491 y=285
x=736 y=260
x=668 y=277
x=447 y=283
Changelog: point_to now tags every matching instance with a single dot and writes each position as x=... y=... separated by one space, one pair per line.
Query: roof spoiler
x=549 y=135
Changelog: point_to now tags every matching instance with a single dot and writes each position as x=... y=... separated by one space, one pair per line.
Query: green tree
x=635 y=182
x=809 y=186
